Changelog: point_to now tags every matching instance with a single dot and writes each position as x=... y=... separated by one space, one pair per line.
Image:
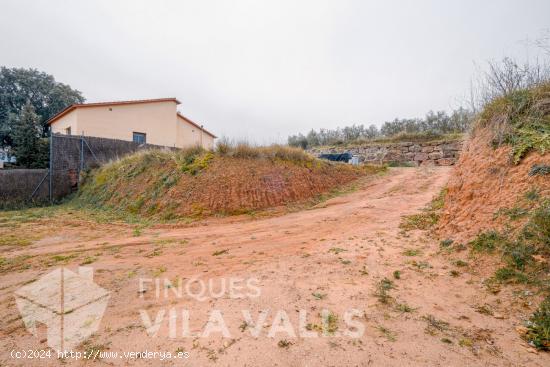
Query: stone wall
x=436 y=153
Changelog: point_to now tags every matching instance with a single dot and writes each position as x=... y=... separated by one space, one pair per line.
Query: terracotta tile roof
x=113 y=103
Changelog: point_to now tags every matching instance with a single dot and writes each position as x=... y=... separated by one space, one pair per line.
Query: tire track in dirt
x=340 y=250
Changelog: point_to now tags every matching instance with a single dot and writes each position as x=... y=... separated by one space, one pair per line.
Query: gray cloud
x=265 y=69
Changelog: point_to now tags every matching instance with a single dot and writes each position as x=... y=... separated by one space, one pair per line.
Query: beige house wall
x=69 y=120
x=158 y=120
x=191 y=135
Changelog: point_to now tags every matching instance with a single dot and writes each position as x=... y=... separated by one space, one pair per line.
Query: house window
x=139 y=138
x=68 y=131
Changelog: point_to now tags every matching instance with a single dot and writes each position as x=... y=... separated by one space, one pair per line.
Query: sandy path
x=330 y=257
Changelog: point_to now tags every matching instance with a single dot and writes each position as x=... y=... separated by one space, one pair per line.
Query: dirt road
x=332 y=257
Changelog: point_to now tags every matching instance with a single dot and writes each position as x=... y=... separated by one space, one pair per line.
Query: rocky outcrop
x=438 y=153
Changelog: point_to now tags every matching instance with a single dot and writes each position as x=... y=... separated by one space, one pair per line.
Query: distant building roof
x=114 y=103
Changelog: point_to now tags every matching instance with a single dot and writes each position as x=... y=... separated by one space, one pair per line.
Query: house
x=151 y=121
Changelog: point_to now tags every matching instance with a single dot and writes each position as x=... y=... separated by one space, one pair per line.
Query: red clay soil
x=233 y=185
x=484 y=181
x=227 y=185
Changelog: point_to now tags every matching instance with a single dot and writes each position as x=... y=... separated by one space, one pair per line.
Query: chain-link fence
x=69 y=155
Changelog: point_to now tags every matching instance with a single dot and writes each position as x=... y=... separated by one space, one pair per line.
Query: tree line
x=28 y=99
x=434 y=123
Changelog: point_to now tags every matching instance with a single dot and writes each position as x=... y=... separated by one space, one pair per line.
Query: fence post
x=51 y=166
x=81 y=154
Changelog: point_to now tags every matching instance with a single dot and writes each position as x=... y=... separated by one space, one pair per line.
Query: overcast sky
x=265 y=69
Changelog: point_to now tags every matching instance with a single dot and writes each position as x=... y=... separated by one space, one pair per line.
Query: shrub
x=538 y=333
x=539 y=169
x=537 y=228
x=521 y=119
x=486 y=241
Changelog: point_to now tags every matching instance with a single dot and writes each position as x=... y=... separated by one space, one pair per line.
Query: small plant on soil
x=513 y=213
x=446 y=243
x=318 y=296
x=540 y=169
x=420 y=221
x=382 y=289
x=390 y=335
x=220 y=252
x=331 y=322
x=435 y=325
x=461 y=263
x=486 y=241
x=484 y=310
x=243 y=326
x=533 y=194
x=284 y=344
x=538 y=327
x=411 y=252
x=397 y=274
x=404 y=308
x=88 y=260
x=421 y=265
x=336 y=250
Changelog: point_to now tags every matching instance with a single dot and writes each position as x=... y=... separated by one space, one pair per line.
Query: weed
x=283 y=343
x=95 y=350
x=404 y=308
x=518 y=254
x=486 y=241
x=243 y=326
x=318 y=296
x=538 y=333
x=364 y=270
x=454 y=273
x=14 y=240
x=513 y=213
x=382 y=289
x=89 y=260
x=446 y=341
x=509 y=275
x=390 y=335
x=220 y=252
x=461 y=263
x=397 y=274
x=411 y=252
x=420 y=264
x=336 y=250
x=539 y=169
x=484 y=310
x=446 y=243
x=159 y=271
x=63 y=258
x=345 y=262
x=331 y=322
x=532 y=195
x=435 y=325
x=420 y=221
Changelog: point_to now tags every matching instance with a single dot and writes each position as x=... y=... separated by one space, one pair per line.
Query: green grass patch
x=526 y=119
x=538 y=327
x=487 y=242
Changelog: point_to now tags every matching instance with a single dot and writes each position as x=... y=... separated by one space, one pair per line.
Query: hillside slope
x=168 y=185
x=506 y=160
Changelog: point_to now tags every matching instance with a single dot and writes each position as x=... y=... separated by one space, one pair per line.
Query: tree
x=30 y=149
x=47 y=96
